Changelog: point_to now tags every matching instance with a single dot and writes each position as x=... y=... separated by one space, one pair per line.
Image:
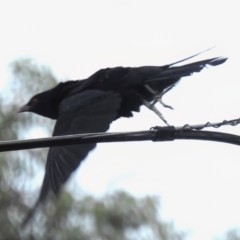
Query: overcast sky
x=198 y=181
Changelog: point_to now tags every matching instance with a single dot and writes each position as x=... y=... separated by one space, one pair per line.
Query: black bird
x=90 y=105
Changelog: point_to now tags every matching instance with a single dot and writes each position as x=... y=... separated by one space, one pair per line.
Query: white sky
x=197 y=181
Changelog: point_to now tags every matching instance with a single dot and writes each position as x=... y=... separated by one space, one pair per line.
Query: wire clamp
x=164 y=133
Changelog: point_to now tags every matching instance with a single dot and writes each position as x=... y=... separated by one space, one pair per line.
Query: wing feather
x=86 y=112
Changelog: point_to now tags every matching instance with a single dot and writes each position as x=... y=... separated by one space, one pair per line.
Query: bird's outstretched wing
x=86 y=112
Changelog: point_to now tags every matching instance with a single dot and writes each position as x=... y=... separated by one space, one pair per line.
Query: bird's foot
x=154 y=109
x=164 y=105
x=158 y=98
x=168 y=89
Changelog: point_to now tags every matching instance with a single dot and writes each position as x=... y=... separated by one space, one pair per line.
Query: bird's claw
x=154 y=109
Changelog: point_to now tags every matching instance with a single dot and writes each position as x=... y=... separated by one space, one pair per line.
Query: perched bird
x=90 y=105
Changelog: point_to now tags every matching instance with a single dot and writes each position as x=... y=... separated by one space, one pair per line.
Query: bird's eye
x=34 y=101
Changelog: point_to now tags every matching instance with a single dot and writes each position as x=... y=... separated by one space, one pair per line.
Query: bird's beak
x=24 y=108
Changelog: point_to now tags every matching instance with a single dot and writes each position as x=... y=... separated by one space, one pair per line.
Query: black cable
x=155 y=134
x=209 y=136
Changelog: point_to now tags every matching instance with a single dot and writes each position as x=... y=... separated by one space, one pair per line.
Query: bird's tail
x=177 y=72
x=185 y=59
x=167 y=76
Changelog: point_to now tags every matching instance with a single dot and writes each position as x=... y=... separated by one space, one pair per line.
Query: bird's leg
x=167 y=89
x=164 y=104
x=150 y=89
x=158 y=97
x=154 y=109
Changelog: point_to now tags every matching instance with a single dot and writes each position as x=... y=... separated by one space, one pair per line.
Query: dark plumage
x=90 y=105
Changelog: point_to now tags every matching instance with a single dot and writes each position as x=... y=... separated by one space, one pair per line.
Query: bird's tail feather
x=185 y=70
x=185 y=59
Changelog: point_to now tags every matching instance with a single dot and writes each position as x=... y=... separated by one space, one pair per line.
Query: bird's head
x=42 y=104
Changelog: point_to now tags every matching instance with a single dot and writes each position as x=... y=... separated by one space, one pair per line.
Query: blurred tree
x=233 y=234
x=118 y=216
x=17 y=168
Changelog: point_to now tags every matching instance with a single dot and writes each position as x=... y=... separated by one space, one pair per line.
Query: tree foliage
x=232 y=234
